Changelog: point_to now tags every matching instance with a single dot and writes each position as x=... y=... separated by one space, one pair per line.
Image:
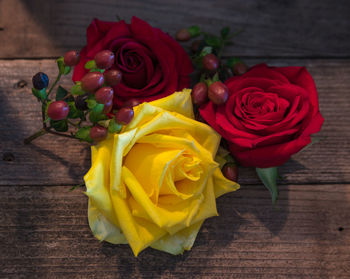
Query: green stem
x=39 y=133
x=54 y=84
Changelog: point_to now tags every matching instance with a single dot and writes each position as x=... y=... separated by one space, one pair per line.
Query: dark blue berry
x=40 y=81
x=80 y=102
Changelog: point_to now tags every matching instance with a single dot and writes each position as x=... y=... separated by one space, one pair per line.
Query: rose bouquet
x=162 y=153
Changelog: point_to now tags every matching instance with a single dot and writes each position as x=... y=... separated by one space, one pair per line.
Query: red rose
x=270 y=115
x=153 y=64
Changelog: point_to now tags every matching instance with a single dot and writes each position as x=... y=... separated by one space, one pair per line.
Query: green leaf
x=194 y=31
x=74 y=112
x=60 y=125
x=90 y=65
x=225 y=32
x=84 y=134
x=114 y=127
x=76 y=89
x=213 y=41
x=61 y=93
x=95 y=117
x=268 y=176
x=232 y=61
x=40 y=94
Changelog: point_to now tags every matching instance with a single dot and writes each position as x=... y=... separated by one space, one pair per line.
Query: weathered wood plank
x=39 y=28
x=50 y=161
x=44 y=233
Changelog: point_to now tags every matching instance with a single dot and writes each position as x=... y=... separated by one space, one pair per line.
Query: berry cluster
x=87 y=106
x=86 y=110
x=207 y=53
x=213 y=70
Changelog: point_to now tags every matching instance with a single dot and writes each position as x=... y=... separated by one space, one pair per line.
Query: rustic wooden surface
x=43 y=226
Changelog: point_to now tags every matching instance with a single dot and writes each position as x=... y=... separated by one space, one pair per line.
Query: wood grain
x=53 y=161
x=44 y=234
x=40 y=28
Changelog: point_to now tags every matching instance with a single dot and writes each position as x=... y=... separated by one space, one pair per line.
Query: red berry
x=230 y=171
x=200 y=93
x=104 y=95
x=210 y=62
x=98 y=133
x=218 y=93
x=131 y=103
x=104 y=59
x=58 y=110
x=239 y=68
x=113 y=77
x=71 y=58
x=92 y=81
x=108 y=106
x=183 y=35
x=124 y=115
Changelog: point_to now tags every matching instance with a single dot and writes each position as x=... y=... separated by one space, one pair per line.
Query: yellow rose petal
x=156 y=182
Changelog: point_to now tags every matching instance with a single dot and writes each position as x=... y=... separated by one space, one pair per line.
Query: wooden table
x=43 y=226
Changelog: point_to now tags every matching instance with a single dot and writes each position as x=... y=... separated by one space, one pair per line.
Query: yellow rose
x=156 y=182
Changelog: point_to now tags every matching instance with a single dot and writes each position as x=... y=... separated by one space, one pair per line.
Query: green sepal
x=194 y=31
x=114 y=127
x=60 y=65
x=314 y=140
x=76 y=89
x=73 y=111
x=90 y=65
x=225 y=32
x=206 y=50
x=268 y=177
x=62 y=68
x=40 y=94
x=97 y=70
x=91 y=103
x=98 y=108
x=95 y=117
x=198 y=58
x=104 y=123
x=84 y=134
x=67 y=70
x=215 y=77
x=208 y=82
x=59 y=125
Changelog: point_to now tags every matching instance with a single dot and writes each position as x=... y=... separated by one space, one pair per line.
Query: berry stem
x=73 y=124
x=39 y=133
x=45 y=131
x=53 y=85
